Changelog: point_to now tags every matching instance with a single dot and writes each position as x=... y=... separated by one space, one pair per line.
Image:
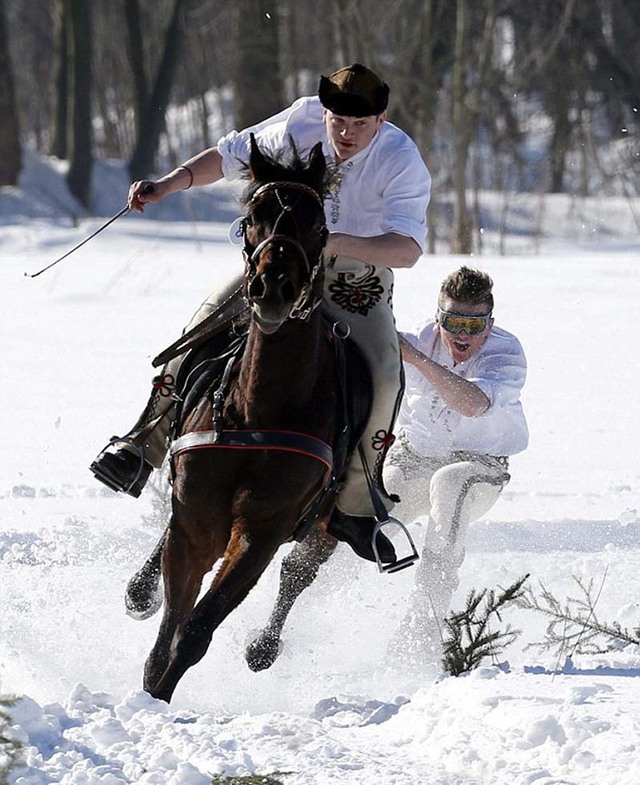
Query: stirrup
x=139 y=449
x=398 y=564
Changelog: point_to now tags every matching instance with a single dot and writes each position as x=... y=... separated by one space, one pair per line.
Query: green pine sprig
x=468 y=638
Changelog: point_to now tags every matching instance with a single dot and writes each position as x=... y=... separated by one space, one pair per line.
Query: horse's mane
x=285 y=165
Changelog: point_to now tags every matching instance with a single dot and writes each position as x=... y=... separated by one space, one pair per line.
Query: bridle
x=306 y=302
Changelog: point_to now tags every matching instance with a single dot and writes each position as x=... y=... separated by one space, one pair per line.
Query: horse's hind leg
x=299 y=570
x=244 y=562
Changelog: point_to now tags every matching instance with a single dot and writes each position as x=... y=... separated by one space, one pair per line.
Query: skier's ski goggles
x=457 y=322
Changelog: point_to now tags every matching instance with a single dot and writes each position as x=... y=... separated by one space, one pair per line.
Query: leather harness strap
x=284 y=441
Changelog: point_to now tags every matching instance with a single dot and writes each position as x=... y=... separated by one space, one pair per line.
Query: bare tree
x=79 y=175
x=466 y=98
x=10 y=152
x=153 y=121
x=475 y=35
x=60 y=123
x=258 y=89
x=135 y=49
x=613 y=29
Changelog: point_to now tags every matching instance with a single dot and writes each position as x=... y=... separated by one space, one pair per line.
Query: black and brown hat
x=354 y=91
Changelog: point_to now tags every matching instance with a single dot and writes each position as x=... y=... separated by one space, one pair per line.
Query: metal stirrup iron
x=384 y=519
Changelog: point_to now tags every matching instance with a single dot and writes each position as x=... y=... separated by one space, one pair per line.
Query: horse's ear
x=317 y=166
x=257 y=161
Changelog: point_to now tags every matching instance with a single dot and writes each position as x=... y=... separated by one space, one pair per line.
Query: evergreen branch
x=574 y=625
x=10 y=747
x=468 y=637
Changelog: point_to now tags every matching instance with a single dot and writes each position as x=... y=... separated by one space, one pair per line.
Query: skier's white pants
x=449 y=493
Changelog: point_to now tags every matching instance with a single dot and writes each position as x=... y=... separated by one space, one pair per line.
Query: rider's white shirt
x=384 y=188
x=499 y=368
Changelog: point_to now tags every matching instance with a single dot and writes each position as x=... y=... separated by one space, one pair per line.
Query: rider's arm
x=459 y=394
x=384 y=250
x=203 y=169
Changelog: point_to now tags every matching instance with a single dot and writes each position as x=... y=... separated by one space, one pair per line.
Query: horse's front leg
x=299 y=570
x=184 y=565
x=143 y=595
x=245 y=560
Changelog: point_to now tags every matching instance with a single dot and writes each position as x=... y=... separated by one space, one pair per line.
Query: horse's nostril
x=256 y=288
x=275 y=290
x=287 y=291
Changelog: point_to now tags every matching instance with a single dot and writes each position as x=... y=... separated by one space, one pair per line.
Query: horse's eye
x=248 y=221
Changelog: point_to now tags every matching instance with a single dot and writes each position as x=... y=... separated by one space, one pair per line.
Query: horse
x=242 y=488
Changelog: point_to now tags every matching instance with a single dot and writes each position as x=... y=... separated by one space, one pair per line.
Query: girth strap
x=285 y=441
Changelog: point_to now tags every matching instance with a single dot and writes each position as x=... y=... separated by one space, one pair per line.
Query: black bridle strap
x=286 y=186
x=282 y=239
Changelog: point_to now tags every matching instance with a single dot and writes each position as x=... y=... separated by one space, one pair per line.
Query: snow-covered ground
x=336 y=707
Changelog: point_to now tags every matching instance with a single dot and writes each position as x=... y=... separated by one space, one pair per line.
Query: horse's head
x=284 y=236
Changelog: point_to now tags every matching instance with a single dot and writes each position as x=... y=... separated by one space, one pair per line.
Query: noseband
x=303 y=306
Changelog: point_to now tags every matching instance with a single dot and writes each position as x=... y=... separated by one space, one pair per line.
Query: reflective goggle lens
x=457 y=322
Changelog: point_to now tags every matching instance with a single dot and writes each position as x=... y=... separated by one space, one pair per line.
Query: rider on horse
x=376 y=214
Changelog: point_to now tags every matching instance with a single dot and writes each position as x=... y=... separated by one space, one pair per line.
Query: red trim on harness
x=283 y=441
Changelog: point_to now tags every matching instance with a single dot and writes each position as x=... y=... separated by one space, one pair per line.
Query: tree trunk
x=135 y=48
x=10 y=153
x=258 y=89
x=461 y=235
x=559 y=147
x=60 y=124
x=429 y=66
x=79 y=176
x=153 y=121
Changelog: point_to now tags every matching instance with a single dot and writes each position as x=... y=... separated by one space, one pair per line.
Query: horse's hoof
x=262 y=652
x=141 y=600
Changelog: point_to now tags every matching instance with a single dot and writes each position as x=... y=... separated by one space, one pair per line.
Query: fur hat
x=354 y=91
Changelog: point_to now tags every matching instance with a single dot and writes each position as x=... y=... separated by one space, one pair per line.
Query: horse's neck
x=280 y=368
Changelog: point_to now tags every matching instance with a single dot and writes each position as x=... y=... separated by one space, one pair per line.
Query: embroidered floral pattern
x=335 y=179
x=382 y=440
x=357 y=294
x=164 y=385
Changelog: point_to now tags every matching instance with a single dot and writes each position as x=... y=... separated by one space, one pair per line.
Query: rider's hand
x=144 y=192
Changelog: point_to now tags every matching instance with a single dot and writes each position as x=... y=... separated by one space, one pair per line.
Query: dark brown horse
x=252 y=458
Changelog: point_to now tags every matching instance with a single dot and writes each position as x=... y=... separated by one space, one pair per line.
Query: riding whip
x=147 y=190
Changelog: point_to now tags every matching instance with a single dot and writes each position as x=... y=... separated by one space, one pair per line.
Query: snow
x=337 y=707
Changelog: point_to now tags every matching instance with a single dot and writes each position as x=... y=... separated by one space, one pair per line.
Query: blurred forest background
x=510 y=96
